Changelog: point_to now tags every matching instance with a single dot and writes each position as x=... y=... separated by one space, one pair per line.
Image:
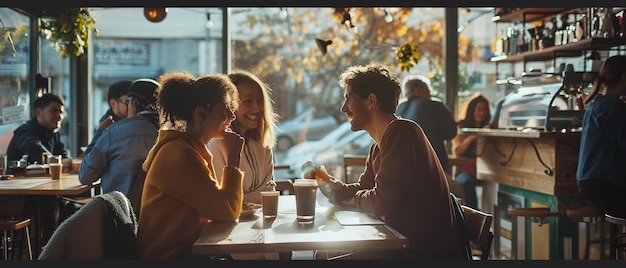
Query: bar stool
x=590 y=217
x=618 y=236
x=536 y=215
x=13 y=225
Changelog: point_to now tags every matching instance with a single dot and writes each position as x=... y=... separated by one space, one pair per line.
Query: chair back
x=104 y=228
x=285 y=187
x=352 y=161
x=478 y=225
x=464 y=239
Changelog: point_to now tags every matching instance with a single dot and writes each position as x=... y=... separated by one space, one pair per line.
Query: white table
x=282 y=234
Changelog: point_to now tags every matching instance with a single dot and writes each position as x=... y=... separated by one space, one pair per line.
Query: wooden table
x=283 y=234
x=43 y=187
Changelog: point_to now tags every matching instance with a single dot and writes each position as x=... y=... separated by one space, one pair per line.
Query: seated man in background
x=40 y=135
x=118 y=109
x=434 y=118
x=117 y=155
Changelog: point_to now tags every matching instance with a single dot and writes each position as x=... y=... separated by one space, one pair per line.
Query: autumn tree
x=282 y=50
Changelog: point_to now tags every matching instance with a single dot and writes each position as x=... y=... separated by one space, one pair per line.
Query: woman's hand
x=233 y=144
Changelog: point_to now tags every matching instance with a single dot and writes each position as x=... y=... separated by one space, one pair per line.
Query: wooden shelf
x=574 y=49
x=532 y=14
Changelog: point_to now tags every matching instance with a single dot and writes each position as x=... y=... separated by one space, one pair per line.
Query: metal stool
x=590 y=217
x=14 y=225
x=536 y=215
x=618 y=236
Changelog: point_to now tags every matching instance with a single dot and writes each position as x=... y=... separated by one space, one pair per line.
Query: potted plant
x=69 y=30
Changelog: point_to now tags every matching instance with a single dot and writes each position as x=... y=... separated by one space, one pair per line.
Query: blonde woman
x=255 y=122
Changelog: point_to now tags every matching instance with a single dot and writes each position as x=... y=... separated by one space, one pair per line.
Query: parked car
x=302 y=152
x=312 y=124
x=357 y=143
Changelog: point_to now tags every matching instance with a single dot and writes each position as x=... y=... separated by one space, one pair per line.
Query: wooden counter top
x=529 y=133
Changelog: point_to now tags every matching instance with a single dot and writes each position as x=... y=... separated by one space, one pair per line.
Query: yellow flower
x=408 y=56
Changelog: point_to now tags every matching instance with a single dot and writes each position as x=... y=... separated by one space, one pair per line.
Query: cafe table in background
x=40 y=188
x=333 y=229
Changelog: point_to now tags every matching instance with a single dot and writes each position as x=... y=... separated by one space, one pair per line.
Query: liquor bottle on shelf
x=505 y=42
x=607 y=30
x=513 y=39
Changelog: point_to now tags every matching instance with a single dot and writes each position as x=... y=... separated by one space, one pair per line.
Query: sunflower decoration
x=408 y=56
x=69 y=31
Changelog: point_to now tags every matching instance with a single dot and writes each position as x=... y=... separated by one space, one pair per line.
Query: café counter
x=529 y=169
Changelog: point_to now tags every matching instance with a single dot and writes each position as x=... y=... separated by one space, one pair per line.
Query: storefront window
x=129 y=47
x=14 y=66
x=279 y=44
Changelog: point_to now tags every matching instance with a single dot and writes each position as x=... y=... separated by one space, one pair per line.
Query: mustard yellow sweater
x=180 y=193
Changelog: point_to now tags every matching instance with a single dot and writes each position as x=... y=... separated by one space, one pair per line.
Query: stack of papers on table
x=345 y=217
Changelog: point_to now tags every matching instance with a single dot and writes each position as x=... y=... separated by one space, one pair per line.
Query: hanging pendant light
x=323 y=45
x=155 y=14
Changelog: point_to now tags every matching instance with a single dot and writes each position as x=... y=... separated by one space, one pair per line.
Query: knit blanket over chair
x=104 y=228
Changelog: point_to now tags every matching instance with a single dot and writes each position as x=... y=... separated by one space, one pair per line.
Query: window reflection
x=14 y=66
x=129 y=47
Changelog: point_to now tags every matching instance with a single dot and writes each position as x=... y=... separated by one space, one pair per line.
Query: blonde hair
x=266 y=130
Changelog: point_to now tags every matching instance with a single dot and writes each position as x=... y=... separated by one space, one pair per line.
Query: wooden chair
x=7 y=227
x=351 y=161
x=478 y=226
x=285 y=187
x=14 y=227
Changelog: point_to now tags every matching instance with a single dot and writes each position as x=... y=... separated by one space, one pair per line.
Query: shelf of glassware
x=573 y=49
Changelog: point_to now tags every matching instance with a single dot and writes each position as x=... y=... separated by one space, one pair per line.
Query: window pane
x=130 y=47
x=14 y=66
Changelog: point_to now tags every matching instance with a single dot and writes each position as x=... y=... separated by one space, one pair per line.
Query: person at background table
x=118 y=109
x=255 y=122
x=38 y=135
x=117 y=155
x=403 y=182
x=477 y=115
x=181 y=192
x=41 y=133
x=433 y=116
x=600 y=174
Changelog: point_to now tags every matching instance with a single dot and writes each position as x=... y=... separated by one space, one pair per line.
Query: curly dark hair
x=181 y=92
x=373 y=78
